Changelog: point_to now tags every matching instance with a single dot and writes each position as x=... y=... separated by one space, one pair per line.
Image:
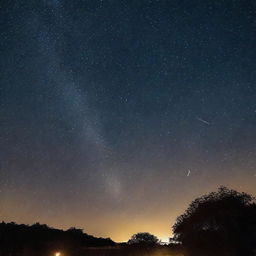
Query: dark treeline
x=37 y=239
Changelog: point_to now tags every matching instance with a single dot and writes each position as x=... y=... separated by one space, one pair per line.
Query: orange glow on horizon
x=156 y=219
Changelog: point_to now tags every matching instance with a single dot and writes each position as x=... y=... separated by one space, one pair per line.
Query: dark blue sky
x=116 y=114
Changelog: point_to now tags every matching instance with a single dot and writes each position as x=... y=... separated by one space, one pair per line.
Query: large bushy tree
x=220 y=223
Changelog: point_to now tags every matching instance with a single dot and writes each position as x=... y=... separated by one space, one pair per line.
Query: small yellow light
x=57 y=253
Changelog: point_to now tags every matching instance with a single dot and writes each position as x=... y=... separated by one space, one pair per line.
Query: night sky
x=115 y=114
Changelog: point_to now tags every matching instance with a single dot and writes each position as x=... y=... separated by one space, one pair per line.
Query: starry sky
x=115 y=114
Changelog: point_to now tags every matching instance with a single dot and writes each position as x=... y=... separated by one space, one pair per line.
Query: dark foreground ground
x=129 y=251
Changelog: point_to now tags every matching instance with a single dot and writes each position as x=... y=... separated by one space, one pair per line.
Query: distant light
x=165 y=240
x=57 y=253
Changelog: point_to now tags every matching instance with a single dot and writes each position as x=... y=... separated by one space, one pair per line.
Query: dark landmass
x=37 y=239
x=41 y=240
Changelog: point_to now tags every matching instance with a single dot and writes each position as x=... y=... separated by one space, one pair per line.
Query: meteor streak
x=202 y=120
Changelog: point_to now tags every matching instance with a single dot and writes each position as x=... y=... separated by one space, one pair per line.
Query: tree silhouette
x=220 y=223
x=143 y=239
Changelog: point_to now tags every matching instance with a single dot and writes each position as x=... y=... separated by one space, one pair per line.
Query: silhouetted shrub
x=143 y=239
